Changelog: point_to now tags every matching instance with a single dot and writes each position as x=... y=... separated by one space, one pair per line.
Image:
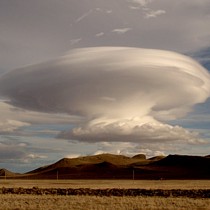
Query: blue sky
x=49 y=112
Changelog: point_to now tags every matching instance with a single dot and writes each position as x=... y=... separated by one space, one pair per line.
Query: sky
x=84 y=77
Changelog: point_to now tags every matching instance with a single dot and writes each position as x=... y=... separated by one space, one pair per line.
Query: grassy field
x=48 y=202
x=102 y=184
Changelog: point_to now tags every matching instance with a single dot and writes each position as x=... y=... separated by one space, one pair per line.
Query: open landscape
x=108 y=181
x=104 y=105
x=51 y=202
x=110 y=166
x=18 y=199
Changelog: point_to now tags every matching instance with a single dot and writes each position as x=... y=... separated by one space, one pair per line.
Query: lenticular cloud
x=123 y=94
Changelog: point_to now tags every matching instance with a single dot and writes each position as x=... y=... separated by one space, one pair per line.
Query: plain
x=48 y=202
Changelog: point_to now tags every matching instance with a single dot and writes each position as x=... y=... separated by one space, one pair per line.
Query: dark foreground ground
x=198 y=193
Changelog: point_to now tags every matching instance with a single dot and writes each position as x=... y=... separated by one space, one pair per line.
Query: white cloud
x=109 y=11
x=121 y=94
x=36 y=156
x=36 y=38
x=12 y=150
x=9 y=125
x=142 y=3
x=99 y=34
x=83 y=16
x=159 y=153
x=134 y=8
x=75 y=41
x=13 y=119
x=121 y=30
x=130 y=149
x=99 y=9
x=26 y=117
x=98 y=152
x=120 y=148
x=131 y=131
x=154 y=14
x=73 y=155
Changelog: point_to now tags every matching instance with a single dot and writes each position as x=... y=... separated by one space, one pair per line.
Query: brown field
x=102 y=184
x=51 y=202
x=47 y=202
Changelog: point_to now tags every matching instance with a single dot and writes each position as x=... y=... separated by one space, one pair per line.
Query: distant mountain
x=109 y=166
x=139 y=156
x=97 y=166
x=156 y=158
x=184 y=161
x=183 y=167
x=5 y=173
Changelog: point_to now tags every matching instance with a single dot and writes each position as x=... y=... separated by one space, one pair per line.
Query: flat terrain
x=50 y=202
x=58 y=202
x=102 y=184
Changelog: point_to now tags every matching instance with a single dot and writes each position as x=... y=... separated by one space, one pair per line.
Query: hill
x=109 y=166
x=103 y=166
x=183 y=167
x=6 y=173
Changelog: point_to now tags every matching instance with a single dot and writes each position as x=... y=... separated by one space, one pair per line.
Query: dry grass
x=52 y=202
x=49 y=202
x=102 y=184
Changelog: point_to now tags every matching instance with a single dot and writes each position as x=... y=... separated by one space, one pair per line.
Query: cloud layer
x=36 y=31
x=123 y=94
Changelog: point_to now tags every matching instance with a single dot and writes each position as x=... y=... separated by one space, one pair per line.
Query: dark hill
x=6 y=173
x=156 y=158
x=108 y=166
x=139 y=156
x=184 y=161
x=117 y=160
x=103 y=166
x=183 y=167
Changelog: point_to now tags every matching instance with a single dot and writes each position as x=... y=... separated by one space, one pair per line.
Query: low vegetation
x=108 y=192
x=104 y=184
x=104 y=194
x=51 y=202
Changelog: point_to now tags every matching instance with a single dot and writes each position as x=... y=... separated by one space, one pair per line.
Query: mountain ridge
x=110 y=166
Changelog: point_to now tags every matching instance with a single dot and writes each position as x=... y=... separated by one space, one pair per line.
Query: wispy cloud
x=13 y=120
x=154 y=13
x=83 y=16
x=109 y=11
x=75 y=41
x=9 y=126
x=134 y=7
x=142 y=3
x=99 y=34
x=121 y=30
